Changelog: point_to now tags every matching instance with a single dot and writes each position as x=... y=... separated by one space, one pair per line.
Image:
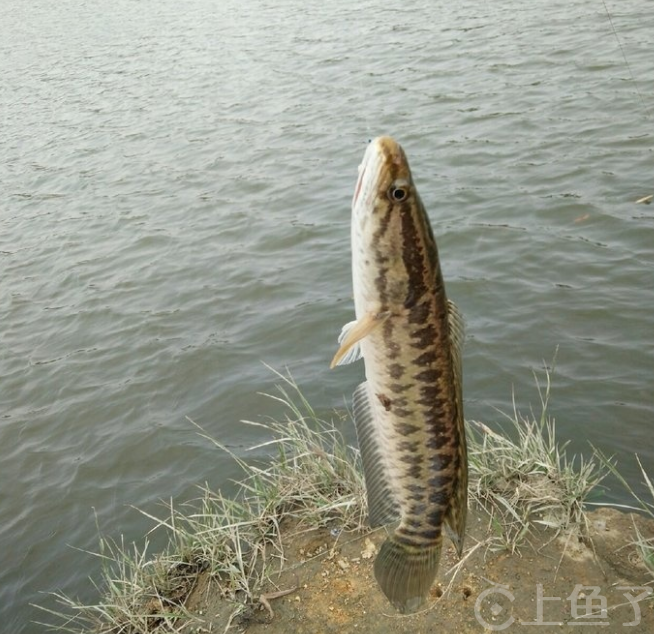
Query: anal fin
x=382 y=507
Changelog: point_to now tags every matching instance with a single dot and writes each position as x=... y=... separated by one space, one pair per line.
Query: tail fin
x=406 y=573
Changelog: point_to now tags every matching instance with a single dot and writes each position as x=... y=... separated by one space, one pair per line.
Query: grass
x=314 y=480
x=523 y=479
x=644 y=546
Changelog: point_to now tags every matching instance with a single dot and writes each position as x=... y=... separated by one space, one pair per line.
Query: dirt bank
x=558 y=583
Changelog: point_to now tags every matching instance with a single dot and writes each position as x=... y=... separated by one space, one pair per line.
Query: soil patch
x=327 y=585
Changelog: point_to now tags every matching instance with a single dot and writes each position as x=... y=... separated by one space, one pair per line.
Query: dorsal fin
x=455 y=517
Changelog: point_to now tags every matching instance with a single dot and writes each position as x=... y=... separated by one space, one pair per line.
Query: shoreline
x=292 y=549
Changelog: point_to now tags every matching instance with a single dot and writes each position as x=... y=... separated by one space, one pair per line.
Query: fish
x=408 y=413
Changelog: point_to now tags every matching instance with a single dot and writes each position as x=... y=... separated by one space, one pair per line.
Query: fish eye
x=398 y=194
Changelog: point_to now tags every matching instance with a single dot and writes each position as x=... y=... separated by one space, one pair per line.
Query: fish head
x=384 y=178
x=392 y=241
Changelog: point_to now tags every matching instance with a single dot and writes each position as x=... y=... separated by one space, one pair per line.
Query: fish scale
x=408 y=413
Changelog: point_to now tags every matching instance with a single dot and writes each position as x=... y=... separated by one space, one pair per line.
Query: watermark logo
x=497 y=596
x=588 y=606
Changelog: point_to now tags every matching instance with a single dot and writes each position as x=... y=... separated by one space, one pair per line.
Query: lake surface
x=176 y=182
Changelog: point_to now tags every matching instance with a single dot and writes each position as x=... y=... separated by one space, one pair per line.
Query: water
x=176 y=183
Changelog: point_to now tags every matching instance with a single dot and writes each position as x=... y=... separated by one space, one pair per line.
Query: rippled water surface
x=176 y=180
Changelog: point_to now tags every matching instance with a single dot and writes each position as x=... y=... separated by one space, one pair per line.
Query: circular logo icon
x=496 y=605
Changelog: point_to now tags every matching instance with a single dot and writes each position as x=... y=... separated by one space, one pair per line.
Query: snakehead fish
x=408 y=413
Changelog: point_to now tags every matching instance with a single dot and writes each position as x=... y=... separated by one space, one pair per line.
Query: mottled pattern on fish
x=409 y=412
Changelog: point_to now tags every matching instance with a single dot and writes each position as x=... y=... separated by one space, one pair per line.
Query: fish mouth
x=357 y=189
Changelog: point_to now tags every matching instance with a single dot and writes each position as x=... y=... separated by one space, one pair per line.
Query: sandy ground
x=557 y=584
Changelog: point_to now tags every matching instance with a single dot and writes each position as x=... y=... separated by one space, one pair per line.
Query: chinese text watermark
x=587 y=606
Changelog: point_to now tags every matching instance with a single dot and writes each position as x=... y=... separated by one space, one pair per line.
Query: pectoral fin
x=352 y=334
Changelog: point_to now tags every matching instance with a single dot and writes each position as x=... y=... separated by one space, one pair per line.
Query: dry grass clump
x=138 y=594
x=526 y=478
x=314 y=480
x=644 y=546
